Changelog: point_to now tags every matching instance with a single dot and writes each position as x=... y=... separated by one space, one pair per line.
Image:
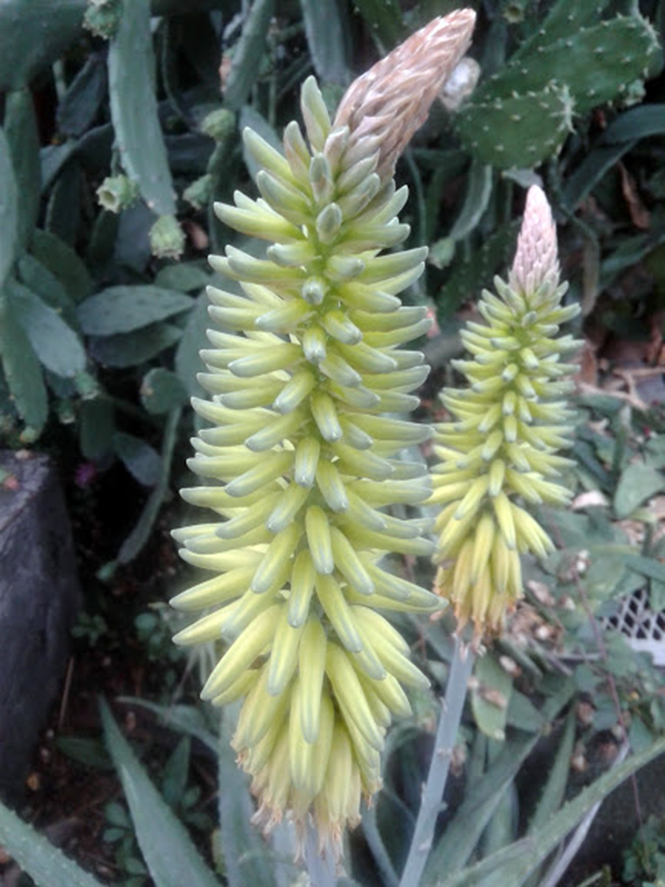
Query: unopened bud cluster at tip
x=499 y=454
x=391 y=101
x=299 y=464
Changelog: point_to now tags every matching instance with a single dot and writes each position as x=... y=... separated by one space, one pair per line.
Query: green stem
x=446 y=734
x=321 y=869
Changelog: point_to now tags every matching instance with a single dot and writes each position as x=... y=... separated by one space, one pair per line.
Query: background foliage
x=121 y=125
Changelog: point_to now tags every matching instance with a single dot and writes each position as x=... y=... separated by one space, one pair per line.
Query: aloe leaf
x=636 y=123
x=8 y=209
x=36 y=33
x=326 y=39
x=23 y=140
x=248 y=50
x=476 y=199
x=185 y=719
x=459 y=840
x=512 y=865
x=555 y=787
x=187 y=358
x=22 y=369
x=592 y=169
x=134 y=108
x=246 y=854
x=46 y=865
x=490 y=698
x=166 y=846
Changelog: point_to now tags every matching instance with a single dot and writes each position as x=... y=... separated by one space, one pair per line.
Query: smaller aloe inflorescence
x=300 y=461
x=501 y=448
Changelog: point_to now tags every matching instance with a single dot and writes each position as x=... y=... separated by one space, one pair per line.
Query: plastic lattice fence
x=644 y=627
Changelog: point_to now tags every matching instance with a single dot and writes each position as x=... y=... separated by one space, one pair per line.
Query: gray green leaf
x=491 y=696
x=134 y=108
x=512 y=865
x=23 y=371
x=637 y=483
x=23 y=140
x=63 y=263
x=326 y=39
x=121 y=309
x=162 y=391
x=36 y=33
x=8 y=209
x=136 y=347
x=247 y=52
x=140 y=459
x=246 y=854
x=46 y=865
x=166 y=846
x=56 y=344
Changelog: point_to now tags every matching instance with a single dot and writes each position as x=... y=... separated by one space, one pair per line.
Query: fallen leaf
x=639 y=214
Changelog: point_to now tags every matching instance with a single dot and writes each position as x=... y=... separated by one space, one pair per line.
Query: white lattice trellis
x=644 y=628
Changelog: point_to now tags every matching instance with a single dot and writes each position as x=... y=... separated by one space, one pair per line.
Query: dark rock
x=39 y=600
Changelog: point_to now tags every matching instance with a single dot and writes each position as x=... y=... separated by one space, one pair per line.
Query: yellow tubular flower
x=500 y=450
x=300 y=460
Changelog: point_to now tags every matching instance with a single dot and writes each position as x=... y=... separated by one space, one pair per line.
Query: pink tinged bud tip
x=391 y=101
x=536 y=263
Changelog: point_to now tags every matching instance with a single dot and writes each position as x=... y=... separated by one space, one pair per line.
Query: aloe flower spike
x=300 y=463
x=499 y=451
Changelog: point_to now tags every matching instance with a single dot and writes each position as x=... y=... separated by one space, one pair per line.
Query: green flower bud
x=199 y=193
x=167 y=239
x=219 y=125
x=102 y=17
x=117 y=193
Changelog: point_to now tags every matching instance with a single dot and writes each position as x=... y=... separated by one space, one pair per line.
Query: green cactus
x=520 y=131
x=596 y=63
x=521 y=115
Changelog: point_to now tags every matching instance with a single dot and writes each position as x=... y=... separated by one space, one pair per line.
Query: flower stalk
x=300 y=462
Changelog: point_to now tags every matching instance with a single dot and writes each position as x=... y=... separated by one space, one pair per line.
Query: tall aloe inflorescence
x=300 y=460
x=502 y=446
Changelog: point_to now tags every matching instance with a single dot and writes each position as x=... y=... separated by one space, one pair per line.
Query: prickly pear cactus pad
x=500 y=451
x=576 y=61
x=299 y=462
